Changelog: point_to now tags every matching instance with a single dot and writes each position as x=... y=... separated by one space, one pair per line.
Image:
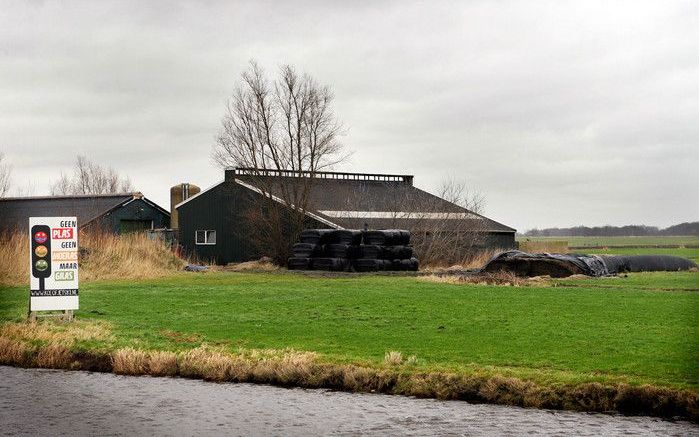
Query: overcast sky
x=560 y=113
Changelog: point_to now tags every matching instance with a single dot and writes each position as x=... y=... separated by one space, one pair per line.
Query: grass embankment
x=102 y=256
x=625 y=344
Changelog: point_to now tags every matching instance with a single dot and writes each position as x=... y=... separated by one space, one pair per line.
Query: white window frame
x=206 y=237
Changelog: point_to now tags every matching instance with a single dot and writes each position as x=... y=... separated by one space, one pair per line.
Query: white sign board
x=53 y=269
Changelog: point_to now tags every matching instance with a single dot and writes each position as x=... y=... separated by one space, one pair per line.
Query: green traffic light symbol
x=41 y=265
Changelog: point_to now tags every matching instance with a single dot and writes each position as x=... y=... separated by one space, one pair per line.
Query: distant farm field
x=687 y=247
x=619 y=241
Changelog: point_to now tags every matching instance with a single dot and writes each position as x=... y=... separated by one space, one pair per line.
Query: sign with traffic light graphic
x=54 y=263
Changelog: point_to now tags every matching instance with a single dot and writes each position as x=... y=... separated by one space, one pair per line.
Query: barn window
x=205 y=237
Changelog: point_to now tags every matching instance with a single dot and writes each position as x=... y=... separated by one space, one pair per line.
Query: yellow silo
x=179 y=193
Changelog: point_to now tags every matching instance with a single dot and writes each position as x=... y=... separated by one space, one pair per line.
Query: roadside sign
x=53 y=272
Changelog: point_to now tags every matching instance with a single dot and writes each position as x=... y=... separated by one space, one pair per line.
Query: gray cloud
x=562 y=113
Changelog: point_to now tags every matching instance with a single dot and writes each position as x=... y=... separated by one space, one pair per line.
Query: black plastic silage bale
x=647 y=263
x=397 y=252
x=387 y=237
x=336 y=250
x=375 y=238
x=368 y=251
x=305 y=250
x=329 y=264
x=313 y=236
x=342 y=236
x=298 y=263
x=367 y=265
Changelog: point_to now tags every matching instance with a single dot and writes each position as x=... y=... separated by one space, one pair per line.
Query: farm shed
x=213 y=223
x=116 y=213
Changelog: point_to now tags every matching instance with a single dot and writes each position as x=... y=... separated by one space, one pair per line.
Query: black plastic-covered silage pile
x=349 y=249
x=560 y=265
x=647 y=263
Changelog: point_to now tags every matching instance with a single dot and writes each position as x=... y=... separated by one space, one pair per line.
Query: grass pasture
x=628 y=343
x=620 y=241
x=639 y=329
x=687 y=247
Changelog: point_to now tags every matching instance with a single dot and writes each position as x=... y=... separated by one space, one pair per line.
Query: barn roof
x=381 y=201
x=15 y=211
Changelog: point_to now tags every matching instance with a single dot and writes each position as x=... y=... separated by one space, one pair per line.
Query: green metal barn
x=213 y=224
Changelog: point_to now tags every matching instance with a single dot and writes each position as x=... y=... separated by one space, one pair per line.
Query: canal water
x=52 y=402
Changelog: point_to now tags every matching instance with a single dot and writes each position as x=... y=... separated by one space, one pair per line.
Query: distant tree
x=5 y=176
x=682 y=229
x=91 y=178
x=286 y=123
x=616 y=231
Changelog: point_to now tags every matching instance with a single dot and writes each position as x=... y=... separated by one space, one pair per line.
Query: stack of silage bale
x=387 y=249
x=346 y=249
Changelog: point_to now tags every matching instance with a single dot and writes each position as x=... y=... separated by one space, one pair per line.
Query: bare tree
x=446 y=228
x=286 y=125
x=91 y=178
x=458 y=192
x=5 y=176
x=453 y=238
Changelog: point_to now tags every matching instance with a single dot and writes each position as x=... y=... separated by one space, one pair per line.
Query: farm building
x=214 y=224
x=116 y=213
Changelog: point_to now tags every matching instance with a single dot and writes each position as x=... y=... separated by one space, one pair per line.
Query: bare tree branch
x=5 y=176
x=284 y=124
x=442 y=232
x=91 y=178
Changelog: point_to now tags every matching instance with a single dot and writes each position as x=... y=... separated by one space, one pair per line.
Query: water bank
x=290 y=368
x=51 y=402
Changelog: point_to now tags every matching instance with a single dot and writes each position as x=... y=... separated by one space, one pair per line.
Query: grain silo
x=179 y=193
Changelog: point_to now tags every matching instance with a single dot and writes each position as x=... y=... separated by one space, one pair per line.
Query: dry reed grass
x=131 y=256
x=54 y=356
x=129 y=361
x=14 y=259
x=102 y=256
x=162 y=363
x=302 y=369
x=498 y=278
x=13 y=352
x=261 y=265
x=51 y=332
x=393 y=358
x=207 y=364
x=472 y=261
x=545 y=246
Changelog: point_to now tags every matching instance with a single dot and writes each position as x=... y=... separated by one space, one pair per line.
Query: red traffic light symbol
x=40 y=237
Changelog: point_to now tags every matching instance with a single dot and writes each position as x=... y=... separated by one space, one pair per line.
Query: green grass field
x=692 y=254
x=631 y=242
x=618 y=241
x=643 y=328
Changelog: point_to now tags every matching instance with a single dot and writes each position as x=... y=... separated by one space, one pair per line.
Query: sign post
x=53 y=272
